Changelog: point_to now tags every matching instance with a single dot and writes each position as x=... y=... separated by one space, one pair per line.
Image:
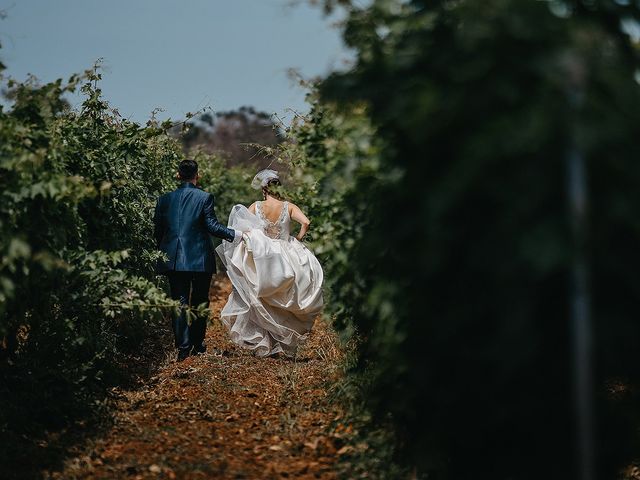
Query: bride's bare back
x=272 y=209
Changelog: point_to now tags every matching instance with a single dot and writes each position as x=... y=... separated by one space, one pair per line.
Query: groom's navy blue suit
x=184 y=220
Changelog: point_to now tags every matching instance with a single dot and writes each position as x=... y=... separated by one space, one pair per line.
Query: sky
x=179 y=56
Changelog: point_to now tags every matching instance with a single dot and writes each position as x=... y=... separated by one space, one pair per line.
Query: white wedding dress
x=277 y=284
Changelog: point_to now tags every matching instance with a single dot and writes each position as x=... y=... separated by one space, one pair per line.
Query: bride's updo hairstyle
x=272 y=189
x=268 y=181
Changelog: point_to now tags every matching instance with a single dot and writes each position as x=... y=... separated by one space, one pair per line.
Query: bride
x=277 y=281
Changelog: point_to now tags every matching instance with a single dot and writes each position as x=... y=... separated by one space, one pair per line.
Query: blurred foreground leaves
x=455 y=233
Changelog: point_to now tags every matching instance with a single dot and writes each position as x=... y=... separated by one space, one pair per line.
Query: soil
x=226 y=414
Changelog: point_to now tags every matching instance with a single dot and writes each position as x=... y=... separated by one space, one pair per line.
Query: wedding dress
x=277 y=283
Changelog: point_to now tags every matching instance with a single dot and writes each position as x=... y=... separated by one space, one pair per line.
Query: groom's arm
x=214 y=227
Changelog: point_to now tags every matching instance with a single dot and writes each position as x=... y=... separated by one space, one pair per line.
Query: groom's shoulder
x=193 y=193
x=164 y=196
x=167 y=198
x=201 y=194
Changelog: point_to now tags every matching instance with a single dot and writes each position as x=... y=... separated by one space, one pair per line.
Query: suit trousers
x=190 y=288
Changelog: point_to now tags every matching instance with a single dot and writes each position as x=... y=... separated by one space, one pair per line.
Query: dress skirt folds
x=277 y=285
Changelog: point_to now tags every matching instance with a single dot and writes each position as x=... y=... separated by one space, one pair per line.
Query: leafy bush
x=78 y=297
x=456 y=243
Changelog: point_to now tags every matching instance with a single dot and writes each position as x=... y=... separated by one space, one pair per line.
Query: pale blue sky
x=175 y=55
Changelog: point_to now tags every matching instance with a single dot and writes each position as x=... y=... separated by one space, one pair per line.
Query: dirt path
x=225 y=415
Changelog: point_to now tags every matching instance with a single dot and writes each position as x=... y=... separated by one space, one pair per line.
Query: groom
x=183 y=220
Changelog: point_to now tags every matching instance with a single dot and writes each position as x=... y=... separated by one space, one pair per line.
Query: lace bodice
x=280 y=229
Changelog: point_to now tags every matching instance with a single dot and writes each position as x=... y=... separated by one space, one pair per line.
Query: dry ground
x=225 y=415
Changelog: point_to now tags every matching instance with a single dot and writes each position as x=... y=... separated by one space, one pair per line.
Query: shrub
x=78 y=296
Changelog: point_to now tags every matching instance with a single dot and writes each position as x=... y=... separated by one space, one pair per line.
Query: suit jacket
x=184 y=220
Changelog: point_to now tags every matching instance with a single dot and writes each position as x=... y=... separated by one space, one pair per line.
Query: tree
x=232 y=134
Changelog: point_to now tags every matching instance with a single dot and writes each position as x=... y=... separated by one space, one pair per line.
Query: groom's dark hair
x=188 y=169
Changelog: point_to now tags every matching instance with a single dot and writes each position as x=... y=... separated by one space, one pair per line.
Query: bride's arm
x=252 y=208
x=297 y=215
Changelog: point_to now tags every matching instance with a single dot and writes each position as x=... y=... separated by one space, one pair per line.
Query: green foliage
x=77 y=289
x=449 y=245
